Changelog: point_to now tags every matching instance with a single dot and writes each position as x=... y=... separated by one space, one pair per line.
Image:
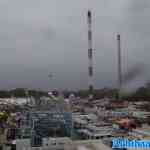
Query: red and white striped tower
x=90 y=54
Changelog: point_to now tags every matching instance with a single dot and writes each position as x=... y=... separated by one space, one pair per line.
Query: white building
x=47 y=144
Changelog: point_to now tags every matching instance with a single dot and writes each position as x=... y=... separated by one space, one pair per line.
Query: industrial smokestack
x=119 y=66
x=90 y=53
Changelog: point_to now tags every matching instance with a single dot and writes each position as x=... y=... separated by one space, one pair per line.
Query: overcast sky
x=40 y=37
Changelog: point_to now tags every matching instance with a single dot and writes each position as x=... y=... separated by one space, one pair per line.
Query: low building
x=141 y=133
x=94 y=132
x=46 y=144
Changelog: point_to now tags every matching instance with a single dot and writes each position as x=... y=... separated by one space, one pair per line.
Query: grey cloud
x=138 y=6
x=42 y=36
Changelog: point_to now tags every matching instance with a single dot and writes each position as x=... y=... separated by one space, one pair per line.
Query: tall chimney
x=119 y=66
x=90 y=54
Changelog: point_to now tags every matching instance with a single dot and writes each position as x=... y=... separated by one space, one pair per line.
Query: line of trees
x=142 y=93
x=21 y=92
x=99 y=93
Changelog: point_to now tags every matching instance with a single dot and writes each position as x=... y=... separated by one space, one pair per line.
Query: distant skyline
x=39 y=37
